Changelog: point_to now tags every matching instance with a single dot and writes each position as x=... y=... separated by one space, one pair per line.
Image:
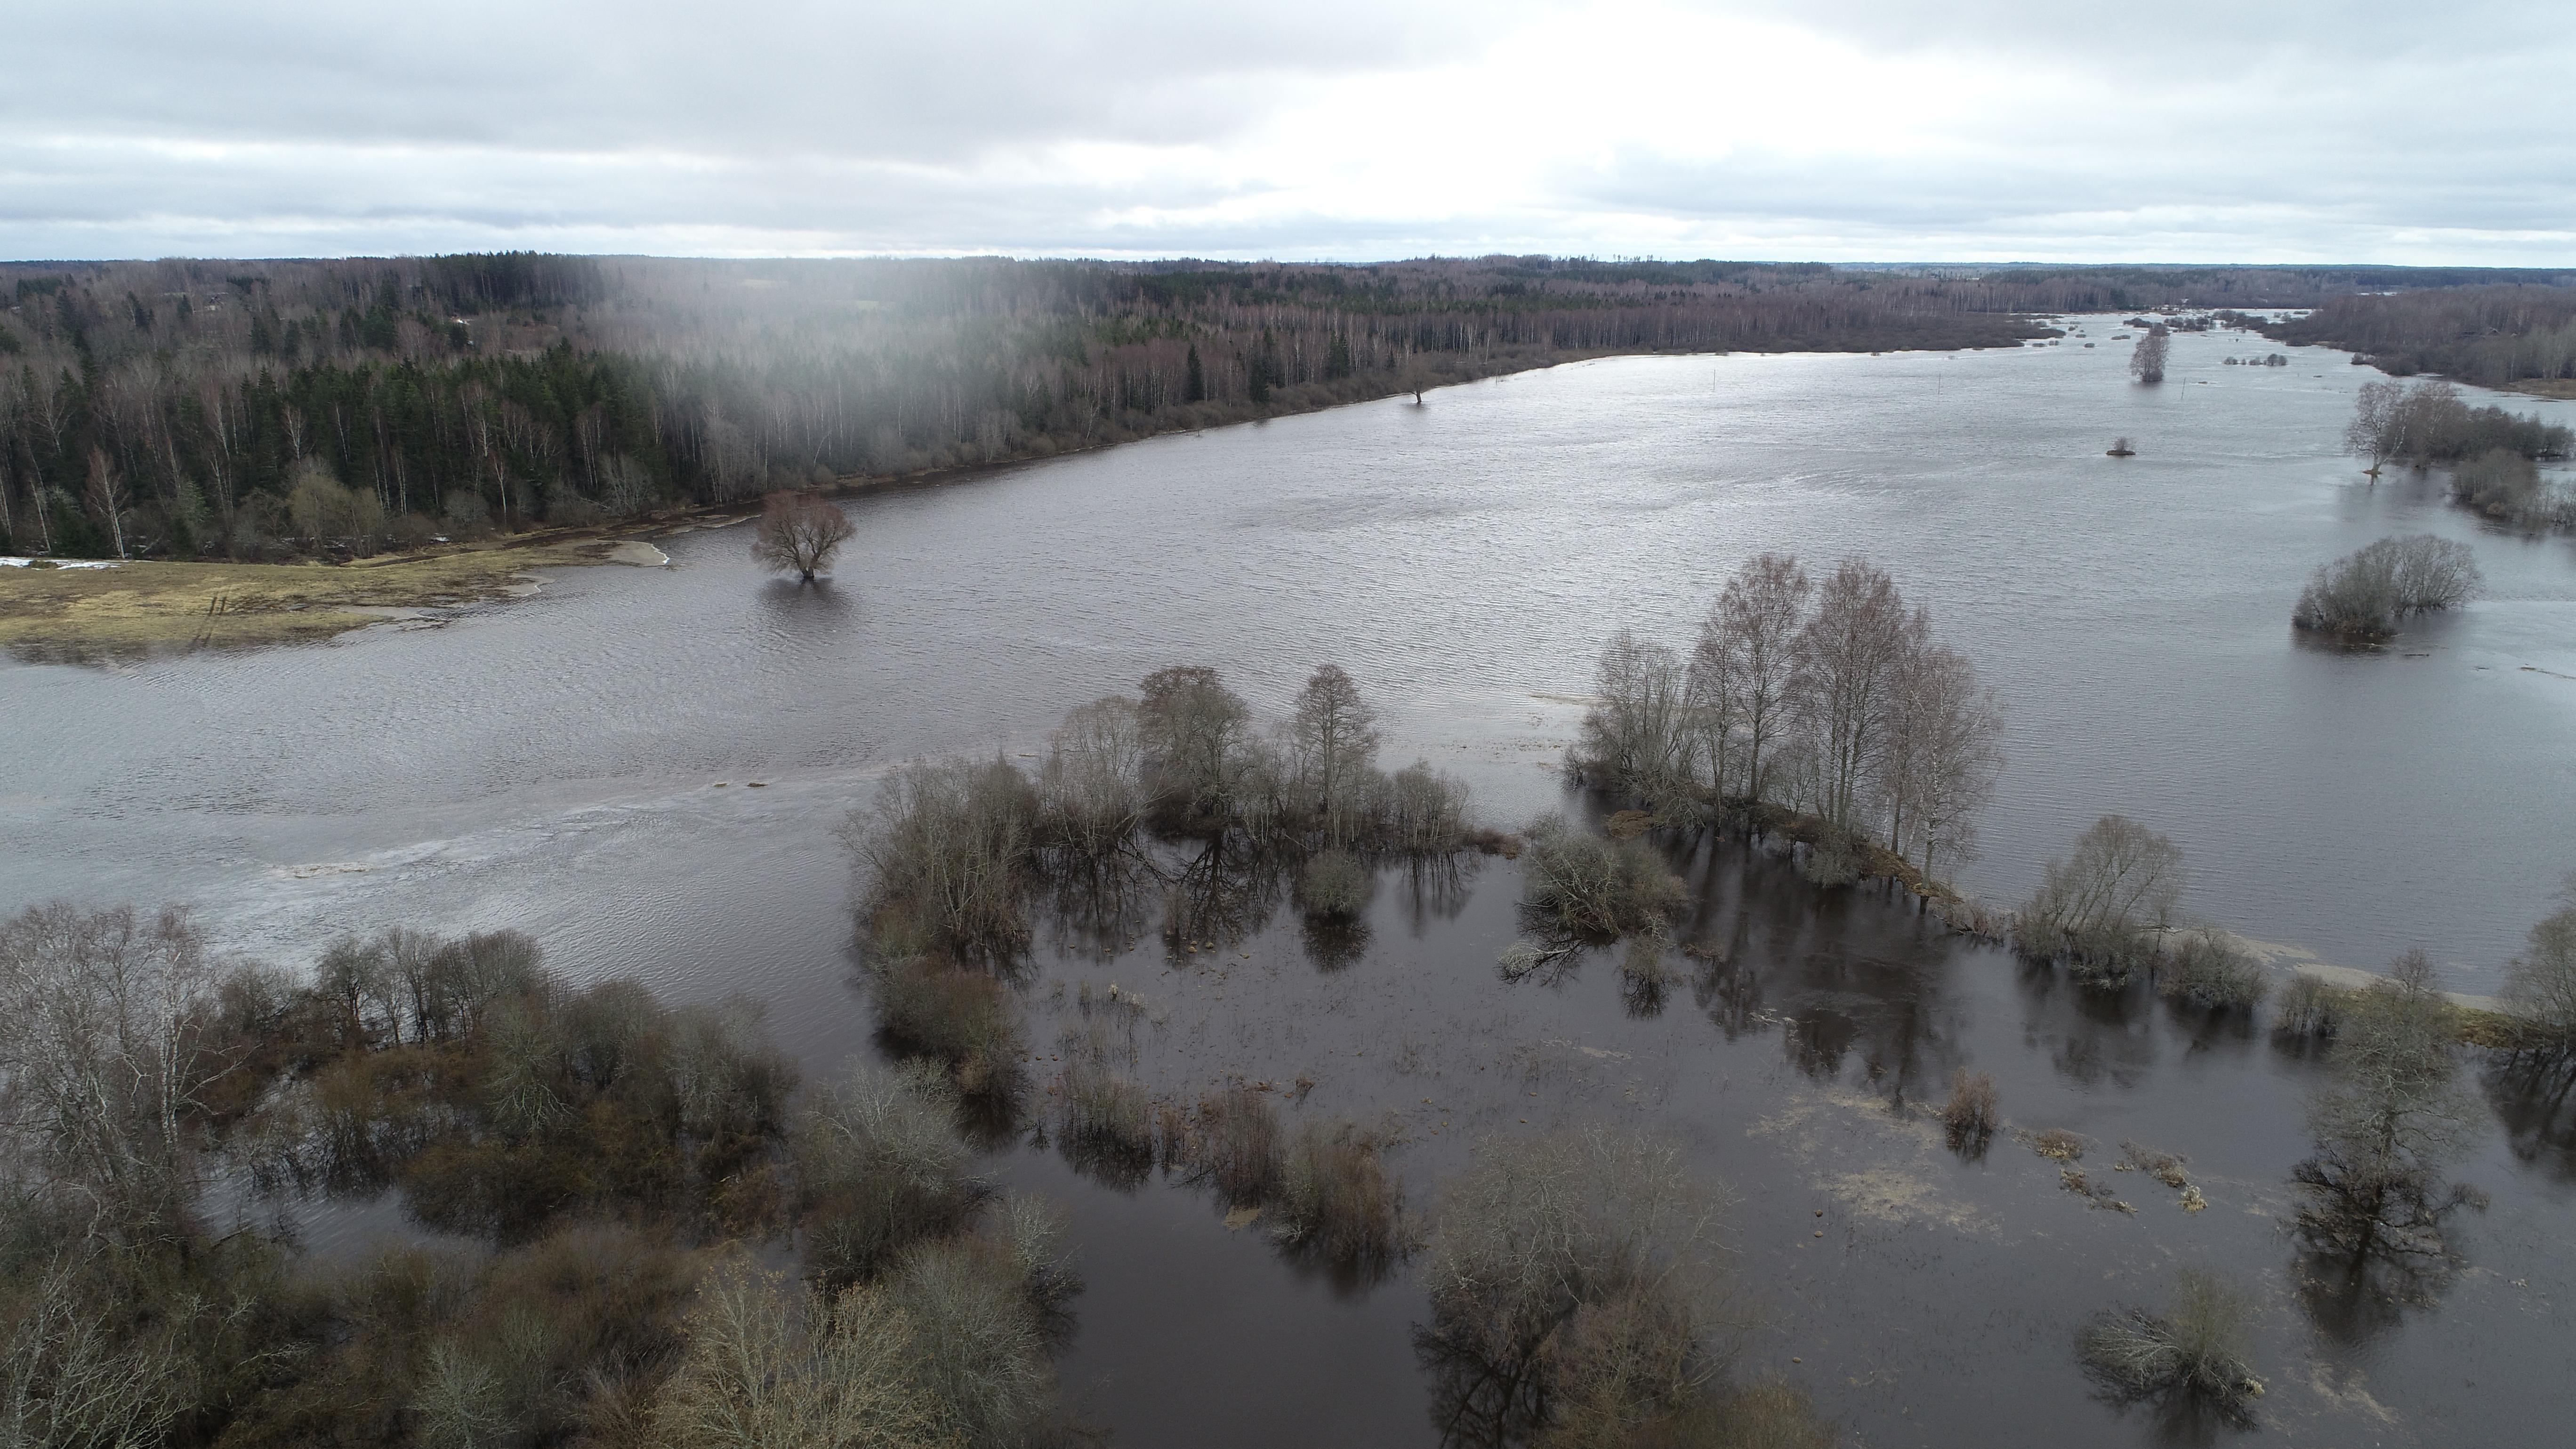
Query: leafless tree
x=1942 y=756
x=1748 y=654
x=2147 y=363
x=2104 y=907
x=1193 y=731
x=2386 y=1125
x=1635 y=735
x=108 y=498
x=1335 y=738
x=798 y=535
x=1091 y=791
x=2368 y=593
x=2540 y=986
x=2378 y=427
x=1851 y=655
x=102 y=1052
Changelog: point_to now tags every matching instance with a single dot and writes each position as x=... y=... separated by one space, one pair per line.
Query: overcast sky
x=1298 y=129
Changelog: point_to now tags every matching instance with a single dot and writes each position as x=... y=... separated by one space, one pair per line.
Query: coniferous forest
x=255 y=410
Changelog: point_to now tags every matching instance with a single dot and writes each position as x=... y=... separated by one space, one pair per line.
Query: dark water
x=555 y=765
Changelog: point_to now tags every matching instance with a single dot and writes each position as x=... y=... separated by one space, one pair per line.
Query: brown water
x=555 y=764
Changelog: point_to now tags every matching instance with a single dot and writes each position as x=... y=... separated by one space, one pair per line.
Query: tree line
x=2491 y=335
x=176 y=408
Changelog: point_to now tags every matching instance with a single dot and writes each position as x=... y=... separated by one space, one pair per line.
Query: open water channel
x=579 y=765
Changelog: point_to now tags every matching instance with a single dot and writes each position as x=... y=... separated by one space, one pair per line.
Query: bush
x=1337 y=1201
x=1575 y=1283
x=1334 y=885
x=2100 y=911
x=1426 y=811
x=879 y=1167
x=1235 y=1143
x=1106 y=1115
x=957 y=1015
x=2368 y=593
x=769 y=1362
x=948 y=850
x=2540 y=985
x=1593 y=889
x=2311 y=1008
x=2208 y=969
x=2198 y=1349
x=1970 y=1113
x=1769 y=1413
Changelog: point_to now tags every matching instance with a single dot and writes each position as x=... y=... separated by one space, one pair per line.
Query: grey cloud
x=2194 y=129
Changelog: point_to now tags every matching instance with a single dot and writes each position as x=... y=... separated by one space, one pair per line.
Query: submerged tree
x=798 y=535
x=1747 y=657
x=2103 y=909
x=2147 y=362
x=2386 y=1125
x=2540 y=986
x=2366 y=594
x=2377 y=431
x=1577 y=1285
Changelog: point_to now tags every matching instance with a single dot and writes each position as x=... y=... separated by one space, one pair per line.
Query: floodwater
x=582 y=765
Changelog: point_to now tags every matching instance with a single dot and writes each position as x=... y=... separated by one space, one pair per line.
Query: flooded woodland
x=644 y=769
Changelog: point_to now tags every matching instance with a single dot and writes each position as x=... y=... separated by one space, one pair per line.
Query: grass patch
x=145 y=606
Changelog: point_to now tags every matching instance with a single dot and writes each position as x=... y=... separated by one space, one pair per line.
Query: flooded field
x=582 y=765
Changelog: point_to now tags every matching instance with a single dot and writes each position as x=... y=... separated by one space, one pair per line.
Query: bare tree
x=2388 y=1122
x=1335 y=736
x=1850 y=655
x=1942 y=757
x=1090 y=791
x=798 y=535
x=1747 y=655
x=2104 y=907
x=2369 y=592
x=100 y=1051
x=2147 y=363
x=2540 y=986
x=1192 y=728
x=108 y=497
x=1633 y=736
x=2378 y=427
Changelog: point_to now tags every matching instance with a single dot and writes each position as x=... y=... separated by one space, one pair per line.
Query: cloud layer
x=1829 y=129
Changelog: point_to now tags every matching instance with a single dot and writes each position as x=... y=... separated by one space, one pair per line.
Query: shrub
x=1970 y=1113
x=947 y=850
x=2368 y=593
x=957 y=1015
x=2207 y=969
x=2198 y=1348
x=2101 y=909
x=1591 y=888
x=1831 y=861
x=1336 y=1199
x=879 y=1167
x=1426 y=811
x=2540 y=985
x=2311 y=1007
x=769 y=1362
x=1106 y=1115
x=1575 y=1278
x=1236 y=1144
x=1769 y=1413
x=1334 y=885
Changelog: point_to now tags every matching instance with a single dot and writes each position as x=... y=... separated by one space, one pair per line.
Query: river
x=644 y=767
